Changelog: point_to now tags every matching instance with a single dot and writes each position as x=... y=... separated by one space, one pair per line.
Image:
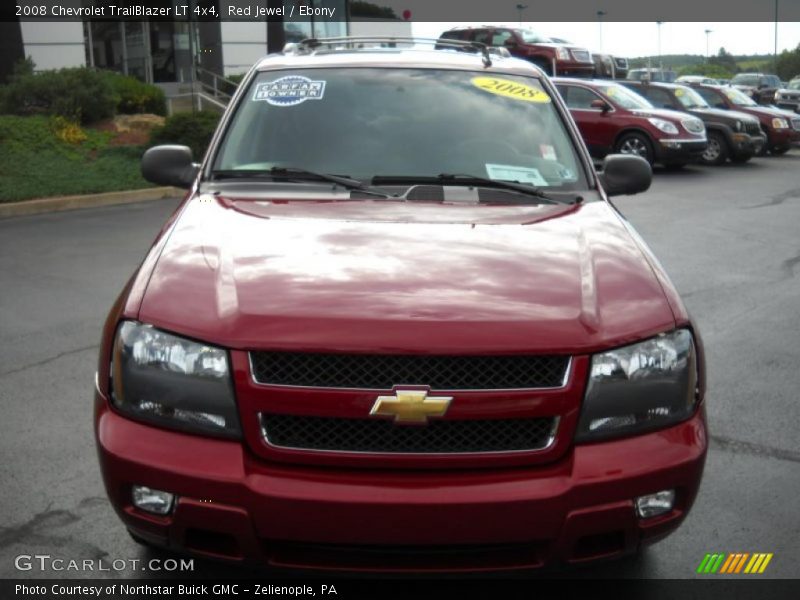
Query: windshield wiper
x=298 y=174
x=472 y=180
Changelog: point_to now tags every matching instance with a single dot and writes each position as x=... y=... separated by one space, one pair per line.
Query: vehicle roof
x=662 y=84
x=584 y=80
x=397 y=58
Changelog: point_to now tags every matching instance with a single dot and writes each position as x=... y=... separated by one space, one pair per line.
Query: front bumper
x=237 y=507
x=679 y=150
x=745 y=146
x=783 y=137
x=574 y=68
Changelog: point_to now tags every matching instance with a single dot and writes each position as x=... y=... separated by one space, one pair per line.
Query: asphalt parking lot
x=727 y=236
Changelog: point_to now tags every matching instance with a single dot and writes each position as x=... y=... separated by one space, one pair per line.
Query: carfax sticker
x=289 y=91
x=510 y=89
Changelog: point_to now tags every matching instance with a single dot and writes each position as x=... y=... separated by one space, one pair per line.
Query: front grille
x=622 y=63
x=384 y=371
x=752 y=127
x=581 y=55
x=796 y=124
x=383 y=436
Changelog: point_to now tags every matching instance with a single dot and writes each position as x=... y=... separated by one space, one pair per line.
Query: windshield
x=531 y=37
x=689 y=98
x=624 y=97
x=738 y=98
x=794 y=85
x=745 y=80
x=366 y=122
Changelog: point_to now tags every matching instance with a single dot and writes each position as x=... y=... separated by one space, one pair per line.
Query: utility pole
x=708 y=31
x=520 y=8
x=660 y=63
x=600 y=15
x=775 y=69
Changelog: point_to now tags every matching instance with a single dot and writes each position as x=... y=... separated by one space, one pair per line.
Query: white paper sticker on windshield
x=289 y=91
x=512 y=173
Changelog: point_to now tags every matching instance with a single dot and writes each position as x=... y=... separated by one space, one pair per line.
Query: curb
x=60 y=203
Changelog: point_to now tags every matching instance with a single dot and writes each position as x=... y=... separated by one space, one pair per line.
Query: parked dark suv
x=731 y=134
x=788 y=96
x=781 y=127
x=759 y=86
x=607 y=66
x=554 y=58
x=613 y=118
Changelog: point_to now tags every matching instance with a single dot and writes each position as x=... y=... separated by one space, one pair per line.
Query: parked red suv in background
x=554 y=58
x=613 y=119
x=781 y=127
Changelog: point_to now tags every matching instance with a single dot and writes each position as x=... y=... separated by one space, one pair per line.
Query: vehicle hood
x=764 y=111
x=392 y=276
x=719 y=114
x=661 y=113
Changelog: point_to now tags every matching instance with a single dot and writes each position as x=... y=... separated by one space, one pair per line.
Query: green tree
x=725 y=60
x=707 y=70
x=788 y=64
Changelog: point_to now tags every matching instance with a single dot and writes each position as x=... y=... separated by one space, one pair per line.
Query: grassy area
x=46 y=156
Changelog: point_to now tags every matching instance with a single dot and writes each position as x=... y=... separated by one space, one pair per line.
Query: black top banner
x=415 y=10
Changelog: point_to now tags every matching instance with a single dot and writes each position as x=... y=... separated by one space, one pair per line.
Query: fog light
x=656 y=504
x=152 y=501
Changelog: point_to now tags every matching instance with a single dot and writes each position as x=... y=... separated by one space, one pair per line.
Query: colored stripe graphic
x=735 y=563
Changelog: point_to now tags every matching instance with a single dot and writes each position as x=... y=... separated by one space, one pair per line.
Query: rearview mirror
x=601 y=104
x=625 y=174
x=169 y=165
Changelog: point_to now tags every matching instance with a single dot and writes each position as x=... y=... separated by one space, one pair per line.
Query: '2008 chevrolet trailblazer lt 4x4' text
x=397 y=325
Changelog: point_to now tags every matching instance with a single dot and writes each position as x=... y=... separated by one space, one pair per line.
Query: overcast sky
x=641 y=39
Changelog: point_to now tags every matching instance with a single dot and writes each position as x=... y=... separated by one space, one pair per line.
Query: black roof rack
x=310 y=45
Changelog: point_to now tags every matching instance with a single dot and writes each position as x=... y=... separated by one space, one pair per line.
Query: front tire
x=778 y=150
x=717 y=151
x=637 y=144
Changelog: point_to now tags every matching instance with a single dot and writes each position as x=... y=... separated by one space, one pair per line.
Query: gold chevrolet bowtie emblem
x=410 y=406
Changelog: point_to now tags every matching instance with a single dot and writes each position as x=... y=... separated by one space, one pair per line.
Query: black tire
x=635 y=143
x=717 y=151
x=778 y=150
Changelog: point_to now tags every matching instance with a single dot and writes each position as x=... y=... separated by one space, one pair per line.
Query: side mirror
x=625 y=174
x=600 y=104
x=169 y=165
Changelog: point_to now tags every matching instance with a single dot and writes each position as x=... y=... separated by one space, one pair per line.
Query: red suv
x=781 y=127
x=397 y=325
x=612 y=119
x=554 y=58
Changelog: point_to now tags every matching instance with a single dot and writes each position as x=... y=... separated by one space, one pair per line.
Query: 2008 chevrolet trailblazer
x=396 y=324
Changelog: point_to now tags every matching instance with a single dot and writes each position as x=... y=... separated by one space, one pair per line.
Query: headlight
x=562 y=53
x=738 y=126
x=645 y=386
x=694 y=126
x=664 y=126
x=171 y=381
x=778 y=123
